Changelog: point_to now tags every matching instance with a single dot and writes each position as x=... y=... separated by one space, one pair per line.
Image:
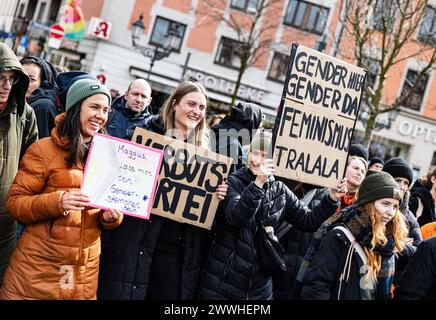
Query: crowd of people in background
x=362 y=240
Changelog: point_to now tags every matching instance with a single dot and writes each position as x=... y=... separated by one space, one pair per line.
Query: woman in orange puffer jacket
x=57 y=256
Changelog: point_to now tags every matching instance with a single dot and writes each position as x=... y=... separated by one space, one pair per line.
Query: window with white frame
x=40 y=15
x=415 y=99
x=306 y=16
x=230 y=52
x=427 y=30
x=163 y=28
x=384 y=15
x=249 y=6
x=278 y=68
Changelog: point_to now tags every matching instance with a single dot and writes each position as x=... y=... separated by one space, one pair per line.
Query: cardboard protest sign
x=316 y=118
x=122 y=175
x=188 y=179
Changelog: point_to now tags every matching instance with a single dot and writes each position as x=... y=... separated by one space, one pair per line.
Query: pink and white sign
x=122 y=175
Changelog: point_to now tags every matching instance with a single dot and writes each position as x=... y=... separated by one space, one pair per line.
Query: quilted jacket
x=57 y=256
x=232 y=270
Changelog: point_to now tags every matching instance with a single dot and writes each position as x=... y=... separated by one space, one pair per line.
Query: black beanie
x=375 y=160
x=378 y=185
x=357 y=149
x=397 y=167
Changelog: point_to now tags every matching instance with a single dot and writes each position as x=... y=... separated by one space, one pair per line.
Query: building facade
x=205 y=47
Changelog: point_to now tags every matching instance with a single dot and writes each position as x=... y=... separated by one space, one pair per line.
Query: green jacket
x=18 y=130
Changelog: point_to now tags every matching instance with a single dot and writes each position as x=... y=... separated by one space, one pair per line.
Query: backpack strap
x=353 y=242
x=354 y=247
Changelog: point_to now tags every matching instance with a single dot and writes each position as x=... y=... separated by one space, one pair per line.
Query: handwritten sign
x=316 y=118
x=121 y=175
x=188 y=179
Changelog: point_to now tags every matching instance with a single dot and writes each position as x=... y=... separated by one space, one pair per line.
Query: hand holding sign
x=74 y=200
x=262 y=172
x=112 y=215
x=221 y=191
x=340 y=191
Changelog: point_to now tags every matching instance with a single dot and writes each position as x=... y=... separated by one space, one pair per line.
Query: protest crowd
x=227 y=222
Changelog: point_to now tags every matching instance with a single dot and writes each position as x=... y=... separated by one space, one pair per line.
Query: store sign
x=221 y=85
x=408 y=129
x=100 y=28
x=69 y=44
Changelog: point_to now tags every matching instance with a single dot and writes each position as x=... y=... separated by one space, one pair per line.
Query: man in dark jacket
x=418 y=281
x=130 y=110
x=235 y=131
x=18 y=131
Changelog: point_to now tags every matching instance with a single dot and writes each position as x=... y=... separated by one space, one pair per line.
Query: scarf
x=359 y=224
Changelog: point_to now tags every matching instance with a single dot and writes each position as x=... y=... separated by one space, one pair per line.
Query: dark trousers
x=165 y=276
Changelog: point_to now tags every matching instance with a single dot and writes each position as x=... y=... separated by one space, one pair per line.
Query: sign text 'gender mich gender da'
x=316 y=119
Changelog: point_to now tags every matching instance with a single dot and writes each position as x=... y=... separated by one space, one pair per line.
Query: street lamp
x=160 y=51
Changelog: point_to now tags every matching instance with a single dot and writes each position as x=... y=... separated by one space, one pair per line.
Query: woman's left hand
x=221 y=191
x=340 y=191
x=112 y=215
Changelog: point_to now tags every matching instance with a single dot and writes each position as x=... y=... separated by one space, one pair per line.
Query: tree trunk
x=237 y=85
x=370 y=124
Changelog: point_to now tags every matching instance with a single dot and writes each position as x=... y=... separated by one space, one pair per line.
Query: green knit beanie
x=84 y=88
x=378 y=185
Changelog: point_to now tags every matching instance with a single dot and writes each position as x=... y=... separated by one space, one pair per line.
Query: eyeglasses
x=12 y=80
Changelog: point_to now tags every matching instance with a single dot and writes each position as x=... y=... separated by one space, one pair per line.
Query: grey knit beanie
x=378 y=185
x=84 y=88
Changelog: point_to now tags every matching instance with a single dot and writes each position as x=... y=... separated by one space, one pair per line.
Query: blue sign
x=4 y=34
x=24 y=41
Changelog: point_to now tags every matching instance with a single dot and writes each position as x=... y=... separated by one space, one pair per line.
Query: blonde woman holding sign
x=160 y=259
x=57 y=256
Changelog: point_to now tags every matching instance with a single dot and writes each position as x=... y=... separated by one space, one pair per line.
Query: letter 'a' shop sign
x=188 y=179
x=316 y=118
x=122 y=175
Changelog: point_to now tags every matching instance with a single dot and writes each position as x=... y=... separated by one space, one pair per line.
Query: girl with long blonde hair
x=352 y=255
x=160 y=259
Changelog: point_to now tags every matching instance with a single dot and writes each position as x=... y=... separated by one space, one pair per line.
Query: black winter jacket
x=232 y=270
x=46 y=104
x=295 y=243
x=235 y=131
x=409 y=249
x=421 y=192
x=127 y=253
x=418 y=281
x=122 y=122
x=322 y=278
